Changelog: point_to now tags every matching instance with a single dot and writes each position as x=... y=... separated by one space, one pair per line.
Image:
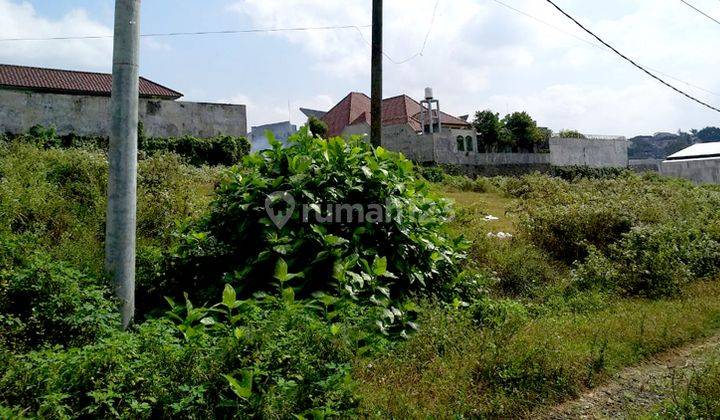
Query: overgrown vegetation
x=213 y=151
x=536 y=289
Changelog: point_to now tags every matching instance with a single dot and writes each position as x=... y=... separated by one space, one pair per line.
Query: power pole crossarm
x=376 y=76
x=122 y=156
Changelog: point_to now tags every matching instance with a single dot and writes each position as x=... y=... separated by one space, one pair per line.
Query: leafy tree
x=523 y=131
x=487 y=123
x=571 y=134
x=709 y=134
x=318 y=127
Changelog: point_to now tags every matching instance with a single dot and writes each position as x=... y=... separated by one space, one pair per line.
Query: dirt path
x=638 y=389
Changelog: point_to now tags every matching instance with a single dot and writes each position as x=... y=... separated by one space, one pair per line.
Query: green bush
x=567 y=218
x=652 y=261
x=373 y=260
x=218 y=150
x=278 y=359
x=521 y=268
x=43 y=303
x=317 y=127
x=431 y=173
x=58 y=198
x=213 y=151
x=571 y=173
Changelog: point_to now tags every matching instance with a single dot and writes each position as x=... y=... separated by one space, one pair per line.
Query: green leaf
x=229 y=296
x=281 y=270
x=379 y=266
x=239 y=333
x=242 y=388
x=333 y=240
x=335 y=329
x=288 y=295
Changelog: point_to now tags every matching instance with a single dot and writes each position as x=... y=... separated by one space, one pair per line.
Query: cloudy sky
x=479 y=55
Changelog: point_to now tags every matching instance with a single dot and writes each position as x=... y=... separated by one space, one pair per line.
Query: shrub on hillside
x=379 y=258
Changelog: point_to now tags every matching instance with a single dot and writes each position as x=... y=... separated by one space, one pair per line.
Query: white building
x=281 y=130
x=699 y=163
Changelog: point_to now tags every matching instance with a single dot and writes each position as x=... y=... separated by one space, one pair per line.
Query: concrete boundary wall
x=699 y=171
x=595 y=152
x=90 y=115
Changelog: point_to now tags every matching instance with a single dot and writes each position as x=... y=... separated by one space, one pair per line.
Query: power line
x=417 y=54
x=701 y=12
x=599 y=47
x=643 y=69
x=200 y=33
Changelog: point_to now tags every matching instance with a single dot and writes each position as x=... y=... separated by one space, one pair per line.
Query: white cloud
x=21 y=20
x=483 y=55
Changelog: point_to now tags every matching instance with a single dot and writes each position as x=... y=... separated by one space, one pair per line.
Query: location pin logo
x=280 y=218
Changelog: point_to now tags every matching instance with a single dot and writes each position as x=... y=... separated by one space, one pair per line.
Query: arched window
x=460 y=144
x=469 y=144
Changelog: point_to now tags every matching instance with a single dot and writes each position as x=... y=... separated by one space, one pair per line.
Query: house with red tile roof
x=403 y=126
x=71 y=82
x=78 y=102
x=352 y=115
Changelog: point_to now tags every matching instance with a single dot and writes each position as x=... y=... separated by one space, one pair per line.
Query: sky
x=479 y=55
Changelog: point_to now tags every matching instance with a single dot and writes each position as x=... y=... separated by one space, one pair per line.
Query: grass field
x=549 y=346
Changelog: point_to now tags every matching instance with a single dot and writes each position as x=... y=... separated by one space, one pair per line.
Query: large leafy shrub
x=373 y=259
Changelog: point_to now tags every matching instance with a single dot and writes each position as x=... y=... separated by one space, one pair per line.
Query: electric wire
x=701 y=12
x=598 y=46
x=199 y=33
x=631 y=61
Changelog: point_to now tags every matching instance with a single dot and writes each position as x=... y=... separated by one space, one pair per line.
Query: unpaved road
x=638 y=389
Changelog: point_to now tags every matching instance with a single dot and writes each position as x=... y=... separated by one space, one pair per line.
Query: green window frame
x=460 y=144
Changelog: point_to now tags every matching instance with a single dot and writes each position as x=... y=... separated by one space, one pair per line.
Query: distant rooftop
x=313 y=113
x=72 y=82
x=698 y=151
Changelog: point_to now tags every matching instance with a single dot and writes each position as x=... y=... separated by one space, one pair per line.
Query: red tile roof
x=73 y=82
x=355 y=109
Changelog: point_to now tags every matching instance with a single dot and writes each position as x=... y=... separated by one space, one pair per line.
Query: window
x=461 y=144
x=468 y=144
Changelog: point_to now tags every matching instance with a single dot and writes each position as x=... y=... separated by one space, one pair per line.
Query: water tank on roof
x=428 y=93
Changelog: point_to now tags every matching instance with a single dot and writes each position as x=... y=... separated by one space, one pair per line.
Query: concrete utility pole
x=376 y=76
x=122 y=181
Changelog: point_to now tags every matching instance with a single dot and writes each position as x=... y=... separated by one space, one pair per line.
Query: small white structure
x=699 y=163
x=281 y=130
